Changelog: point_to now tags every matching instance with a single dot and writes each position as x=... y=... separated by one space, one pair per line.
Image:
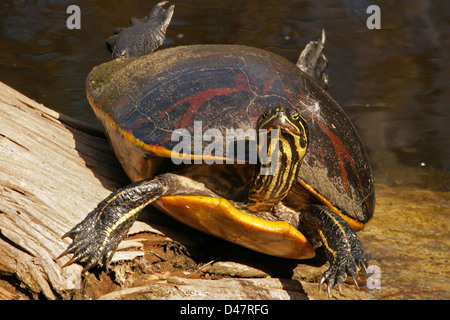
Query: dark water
x=394 y=82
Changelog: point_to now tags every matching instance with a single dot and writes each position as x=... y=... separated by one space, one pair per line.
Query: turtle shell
x=140 y=102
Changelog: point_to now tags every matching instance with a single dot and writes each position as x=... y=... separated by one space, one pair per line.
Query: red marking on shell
x=342 y=155
x=198 y=99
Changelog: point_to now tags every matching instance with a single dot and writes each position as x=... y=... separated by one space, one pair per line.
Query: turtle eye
x=296 y=116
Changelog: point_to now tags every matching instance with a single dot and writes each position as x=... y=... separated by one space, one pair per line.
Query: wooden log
x=222 y=289
x=53 y=171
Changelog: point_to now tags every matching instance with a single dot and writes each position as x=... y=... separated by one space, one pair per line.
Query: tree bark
x=53 y=171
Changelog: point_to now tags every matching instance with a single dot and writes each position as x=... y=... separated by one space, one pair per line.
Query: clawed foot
x=96 y=238
x=341 y=245
x=91 y=246
x=344 y=264
x=143 y=36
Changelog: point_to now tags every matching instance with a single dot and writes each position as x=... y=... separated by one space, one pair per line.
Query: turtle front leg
x=342 y=247
x=96 y=238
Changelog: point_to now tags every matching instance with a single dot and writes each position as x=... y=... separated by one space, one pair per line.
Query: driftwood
x=53 y=171
x=223 y=289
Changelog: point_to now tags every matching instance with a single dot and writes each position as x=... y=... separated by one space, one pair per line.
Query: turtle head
x=282 y=144
x=288 y=121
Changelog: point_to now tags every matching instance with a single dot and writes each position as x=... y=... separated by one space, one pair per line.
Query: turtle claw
x=96 y=238
x=355 y=282
x=328 y=291
x=343 y=265
x=89 y=245
x=337 y=274
x=340 y=288
x=341 y=245
x=89 y=252
x=330 y=284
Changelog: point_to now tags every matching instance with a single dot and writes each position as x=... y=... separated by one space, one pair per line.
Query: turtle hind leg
x=342 y=247
x=143 y=36
x=313 y=62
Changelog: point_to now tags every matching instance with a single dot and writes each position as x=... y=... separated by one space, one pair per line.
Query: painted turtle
x=172 y=117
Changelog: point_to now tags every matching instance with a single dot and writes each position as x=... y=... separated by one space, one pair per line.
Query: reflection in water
x=393 y=82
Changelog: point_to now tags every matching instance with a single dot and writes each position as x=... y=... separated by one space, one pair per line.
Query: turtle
x=231 y=140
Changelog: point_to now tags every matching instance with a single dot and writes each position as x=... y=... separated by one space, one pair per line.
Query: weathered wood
x=51 y=174
x=223 y=289
x=53 y=171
